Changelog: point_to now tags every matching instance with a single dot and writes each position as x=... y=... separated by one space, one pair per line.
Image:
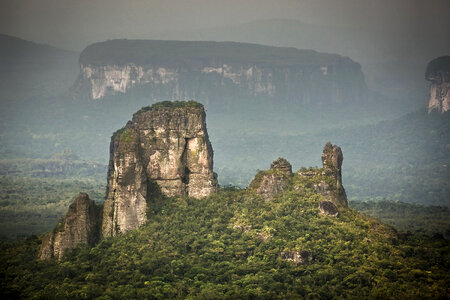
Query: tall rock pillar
x=332 y=159
x=164 y=146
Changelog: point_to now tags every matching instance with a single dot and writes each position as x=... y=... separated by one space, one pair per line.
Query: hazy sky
x=74 y=23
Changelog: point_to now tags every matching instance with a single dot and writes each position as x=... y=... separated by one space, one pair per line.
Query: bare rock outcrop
x=164 y=147
x=273 y=181
x=80 y=226
x=332 y=159
x=438 y=72
x=297 y=257
x=281 y=164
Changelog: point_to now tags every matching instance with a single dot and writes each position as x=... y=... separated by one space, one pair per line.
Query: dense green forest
x=414 y=218
x=33 y=205
x=230 y=245
x=35 y=193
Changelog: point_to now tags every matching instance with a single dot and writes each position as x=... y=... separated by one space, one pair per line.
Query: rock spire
x=332 y=159
x=80 y=226
x=164 y=148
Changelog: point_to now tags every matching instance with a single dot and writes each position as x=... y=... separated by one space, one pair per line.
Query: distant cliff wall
x=438 y=72
x=211 y=72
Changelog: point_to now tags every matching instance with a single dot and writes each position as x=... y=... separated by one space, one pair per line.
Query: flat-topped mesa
x=332 y=158
x=273 y=181
x=80 y=226
x=438 y=72
x=214 y=71
x=164 y=146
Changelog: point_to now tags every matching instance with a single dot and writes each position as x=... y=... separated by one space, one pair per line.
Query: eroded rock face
x=80 y=226
x=273 y=181
x=297 y=257
x=272 y=184
x=322 y=188
x=165 y=146
x=332 y=159
x=438 y=72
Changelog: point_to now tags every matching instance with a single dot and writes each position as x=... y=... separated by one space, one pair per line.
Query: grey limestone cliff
x=164 y=147
x=80 y=226
x=438 y=73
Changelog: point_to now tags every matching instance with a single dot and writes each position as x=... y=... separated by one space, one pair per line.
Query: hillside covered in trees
x=288 y=235
x=233 y=244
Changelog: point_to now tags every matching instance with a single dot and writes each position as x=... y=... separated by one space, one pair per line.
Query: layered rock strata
x=438 y=73
x=164 y=147
x=80 y=226
x=218 y=73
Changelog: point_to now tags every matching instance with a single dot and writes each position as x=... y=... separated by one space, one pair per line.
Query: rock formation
x=438 y=72
x=273 y=181
x=165 y=151
x=282 y=165
x=332 y=158
x=297 y=257
x=328 y=208
x=165 y=147
x=214 y=71
x=80 y=226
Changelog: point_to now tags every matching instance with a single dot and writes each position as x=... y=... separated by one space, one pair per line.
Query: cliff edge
x=218 y=73
x=438 y=72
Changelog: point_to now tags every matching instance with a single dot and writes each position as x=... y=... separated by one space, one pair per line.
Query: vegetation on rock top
x=117 y=52
x=126 y=135
x=171 y=104
x=441 y=63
